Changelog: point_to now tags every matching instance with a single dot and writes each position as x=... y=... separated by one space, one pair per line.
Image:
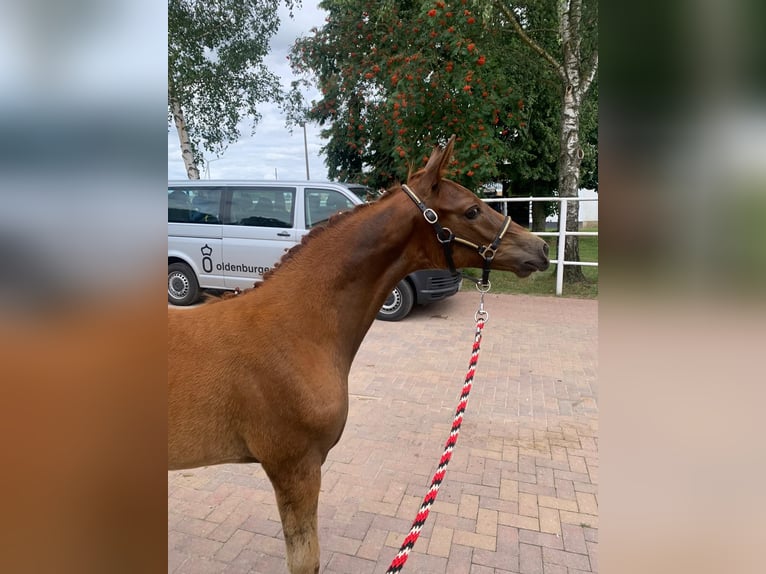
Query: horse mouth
x=528 y=267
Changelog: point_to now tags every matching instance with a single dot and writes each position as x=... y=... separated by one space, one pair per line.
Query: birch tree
x=575 y=63
x=216 y=74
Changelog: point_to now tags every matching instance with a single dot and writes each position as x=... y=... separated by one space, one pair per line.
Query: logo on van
x=207 y=262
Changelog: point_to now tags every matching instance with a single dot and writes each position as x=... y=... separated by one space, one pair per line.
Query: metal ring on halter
x=430 y=215
x=484 y=287
x=487 y=253
x=449 y=235
x=481 y=314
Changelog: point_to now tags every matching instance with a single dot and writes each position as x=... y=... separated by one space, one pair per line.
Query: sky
x=272 y=152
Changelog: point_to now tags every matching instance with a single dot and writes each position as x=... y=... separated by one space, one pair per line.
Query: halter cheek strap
x=445 y=236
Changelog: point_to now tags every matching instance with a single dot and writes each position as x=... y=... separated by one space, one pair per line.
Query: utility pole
x=207 y=165
x=306 y=151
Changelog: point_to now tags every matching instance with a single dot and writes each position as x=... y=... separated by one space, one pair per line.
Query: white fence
x=561 y=233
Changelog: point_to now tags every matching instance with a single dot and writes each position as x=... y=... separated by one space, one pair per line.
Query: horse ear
x=437 y=163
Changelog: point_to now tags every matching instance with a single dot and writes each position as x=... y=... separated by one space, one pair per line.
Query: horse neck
x=338 y=280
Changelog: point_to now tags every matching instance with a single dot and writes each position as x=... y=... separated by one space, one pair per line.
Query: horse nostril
x=545 y=249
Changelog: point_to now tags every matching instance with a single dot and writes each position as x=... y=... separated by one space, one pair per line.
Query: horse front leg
x=297 y=492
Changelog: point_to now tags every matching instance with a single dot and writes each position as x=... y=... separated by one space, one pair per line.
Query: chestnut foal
x=263 y=377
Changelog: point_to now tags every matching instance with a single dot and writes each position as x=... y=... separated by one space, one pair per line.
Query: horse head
x=485 y=237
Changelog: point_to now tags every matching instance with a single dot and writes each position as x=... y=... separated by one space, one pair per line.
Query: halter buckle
x=430 y=215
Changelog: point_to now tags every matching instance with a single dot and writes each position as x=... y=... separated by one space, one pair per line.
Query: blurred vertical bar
x=82 y=330
x=682 y=312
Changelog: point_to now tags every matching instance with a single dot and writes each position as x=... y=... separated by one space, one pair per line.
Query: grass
x=545 y=283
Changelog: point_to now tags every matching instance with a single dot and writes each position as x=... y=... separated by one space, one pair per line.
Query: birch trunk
x=570 y=154
x=187 y=153
x=570 y=158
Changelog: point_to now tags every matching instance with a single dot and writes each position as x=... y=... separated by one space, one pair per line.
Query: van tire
x=399 y=303
x=183 y=288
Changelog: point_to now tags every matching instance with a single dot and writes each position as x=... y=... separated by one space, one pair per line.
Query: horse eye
x=472 y=213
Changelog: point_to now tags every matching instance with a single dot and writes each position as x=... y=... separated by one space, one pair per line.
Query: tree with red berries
x=398 y=76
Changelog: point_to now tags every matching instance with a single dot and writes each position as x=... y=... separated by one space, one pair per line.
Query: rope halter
x=445 y=236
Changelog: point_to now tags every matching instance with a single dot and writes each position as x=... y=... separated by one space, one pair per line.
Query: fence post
x=561 y=248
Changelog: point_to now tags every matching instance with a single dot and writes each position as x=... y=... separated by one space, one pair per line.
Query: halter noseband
x=445 y=236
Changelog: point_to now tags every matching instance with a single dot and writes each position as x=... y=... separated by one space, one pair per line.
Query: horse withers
x=263 y=377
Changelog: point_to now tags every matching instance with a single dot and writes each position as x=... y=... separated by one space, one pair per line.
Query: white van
x=225 y=235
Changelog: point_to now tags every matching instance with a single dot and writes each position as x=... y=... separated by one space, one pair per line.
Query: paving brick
x=441 y=542
x=554 y=569
x=588 y=487
x=373 y=543
x=511 y=453
x=195 y=526
x=469 y=506
x=592 y=555
x=580 y=519
x=519 y=476
x=541 y=539
x=587 y=503
x=443 y=507
x=237 y=542
x=480 y=489
x=526 y=522
x=509 y=489
x=201 y=565
x=256 y=525
x=550 y=520
x=568 y=559
x=574 y=538
x=260 y=562
x=558 y=503
x=528 y=504
x=498 y=560
x=358 y=525
x=454 y=522
x=340 y=544
x=537 y=489
x=176 y=560
x=424 y=563
x=577 y=464
x=530 y=559
x=486 y=522
x=508 y=539
x=345 y=564
x=498 y=504
x=545 y=476
x=474 y=540
x=459 y=559
x=193 y=545
x=565 y=489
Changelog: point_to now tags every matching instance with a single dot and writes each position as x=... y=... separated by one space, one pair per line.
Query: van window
x=262 y=207
x=322 y=203
x=195 y=205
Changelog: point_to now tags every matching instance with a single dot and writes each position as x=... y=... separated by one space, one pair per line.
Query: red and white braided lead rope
x=425 y=508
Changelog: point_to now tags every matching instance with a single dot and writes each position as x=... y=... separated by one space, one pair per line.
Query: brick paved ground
x=520 y=493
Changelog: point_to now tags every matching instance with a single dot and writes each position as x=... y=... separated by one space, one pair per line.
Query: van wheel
x=183 y=288
x=398 y=304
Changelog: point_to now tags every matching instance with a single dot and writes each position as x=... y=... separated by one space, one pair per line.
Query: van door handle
x=283 y=234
